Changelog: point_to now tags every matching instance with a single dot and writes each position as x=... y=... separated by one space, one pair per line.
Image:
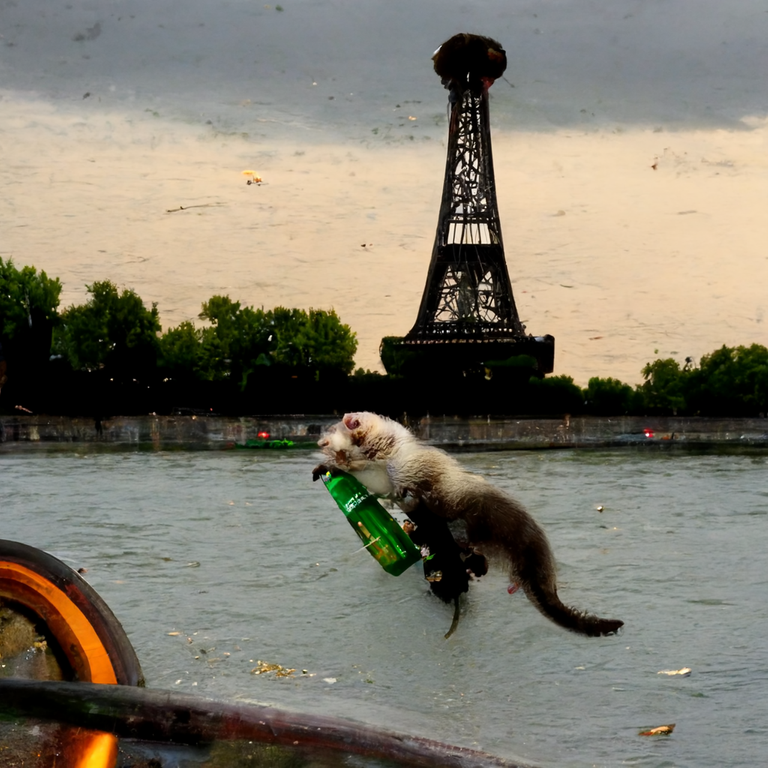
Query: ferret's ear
x=351 y=421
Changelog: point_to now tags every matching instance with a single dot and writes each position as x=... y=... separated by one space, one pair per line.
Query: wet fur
x=391 y=462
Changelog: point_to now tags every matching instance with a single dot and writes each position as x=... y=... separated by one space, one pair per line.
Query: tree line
x=292 y=359
x=731 y=381
x=116 y=332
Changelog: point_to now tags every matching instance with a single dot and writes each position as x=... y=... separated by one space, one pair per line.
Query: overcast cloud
x=338 y=66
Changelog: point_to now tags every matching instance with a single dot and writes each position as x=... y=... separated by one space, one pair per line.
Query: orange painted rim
x=92 y=640
x=68 y=624
x=90 y=637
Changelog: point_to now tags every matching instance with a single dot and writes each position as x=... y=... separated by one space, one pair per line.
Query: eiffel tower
x=468 y=315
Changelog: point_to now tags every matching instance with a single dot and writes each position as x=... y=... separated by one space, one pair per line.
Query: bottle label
x=378 y=530
x=352 y=503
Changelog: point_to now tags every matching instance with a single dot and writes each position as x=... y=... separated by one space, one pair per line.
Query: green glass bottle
x=379 y=531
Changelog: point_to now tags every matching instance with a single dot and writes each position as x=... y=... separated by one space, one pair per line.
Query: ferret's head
x=348 y=432
x=360 y=436
x=340 y=442
x=368 y=430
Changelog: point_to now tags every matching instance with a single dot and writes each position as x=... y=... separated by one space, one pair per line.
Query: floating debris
x=662 y=730
x=684 y=672
x=186 y=208
x=253 y=177
x=263 y=667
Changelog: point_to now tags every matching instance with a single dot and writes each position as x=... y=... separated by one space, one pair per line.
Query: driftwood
x=166 y=716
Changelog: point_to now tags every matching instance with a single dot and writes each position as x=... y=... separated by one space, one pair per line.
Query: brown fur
x=390 y=461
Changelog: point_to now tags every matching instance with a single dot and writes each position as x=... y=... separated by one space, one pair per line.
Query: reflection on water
x=217 y=561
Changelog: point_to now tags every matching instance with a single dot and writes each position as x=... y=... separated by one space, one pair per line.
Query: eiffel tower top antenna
x=468 y=294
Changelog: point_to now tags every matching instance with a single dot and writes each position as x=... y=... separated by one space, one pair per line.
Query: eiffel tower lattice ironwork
x=468 y=295
x=468 y=291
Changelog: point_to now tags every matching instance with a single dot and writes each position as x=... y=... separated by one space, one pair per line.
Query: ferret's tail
x=547 y=601
x=498 y=523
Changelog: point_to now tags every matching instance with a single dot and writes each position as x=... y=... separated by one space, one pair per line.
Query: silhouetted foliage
x=21 y=292
x=610 y=397
x=241 y=342
x=112 y=330
x=664 y=389
x=180 y=351
x=399 y=360
x=110 y=357
x=312 y=341
x=28 y=314
x=237 y=341
x=554 y=394
x=730 y=381
x=365 y=375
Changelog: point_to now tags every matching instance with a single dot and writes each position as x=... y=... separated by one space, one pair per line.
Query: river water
x=214 y=561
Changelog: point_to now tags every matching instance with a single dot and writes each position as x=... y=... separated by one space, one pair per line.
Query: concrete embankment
x=452 y=433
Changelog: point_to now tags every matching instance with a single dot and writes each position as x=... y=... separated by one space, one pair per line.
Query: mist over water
x=248 y=560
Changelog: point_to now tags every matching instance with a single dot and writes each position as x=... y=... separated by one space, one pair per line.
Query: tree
x=665 y=386
x=112 y=330
x=315 y=341
x=23 y=292
x=28 y=314
x=609 y=397
x=238 y=340
x=243 y=340
x=555 y=394
x=180 y=351
x=731 y=381
x=399 y=360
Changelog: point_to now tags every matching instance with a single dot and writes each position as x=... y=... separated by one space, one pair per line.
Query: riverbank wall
x=452 y=433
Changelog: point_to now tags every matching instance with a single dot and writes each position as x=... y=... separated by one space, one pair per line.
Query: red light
x=264 y=435
x=648 y=433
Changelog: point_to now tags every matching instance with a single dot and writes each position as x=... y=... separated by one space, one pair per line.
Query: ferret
x=390 y=461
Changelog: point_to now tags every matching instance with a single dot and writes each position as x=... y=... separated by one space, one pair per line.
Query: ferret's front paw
x=320 y=470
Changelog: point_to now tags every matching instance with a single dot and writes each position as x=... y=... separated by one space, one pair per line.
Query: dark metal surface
x=468 y=294
x=468 y=286
x=170 y=717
